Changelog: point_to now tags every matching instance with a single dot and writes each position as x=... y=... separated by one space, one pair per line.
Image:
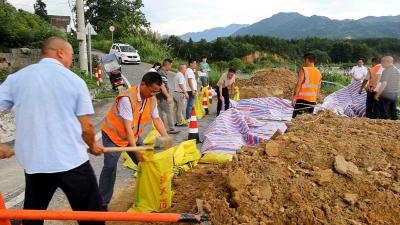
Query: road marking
x=15 y=201
x=126 y=80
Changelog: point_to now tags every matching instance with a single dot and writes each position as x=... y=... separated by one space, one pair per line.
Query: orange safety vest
x=373 y=81
x=310 y=86
x=113 y=124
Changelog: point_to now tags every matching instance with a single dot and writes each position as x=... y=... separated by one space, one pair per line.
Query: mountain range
x=294 y=25
x=213 y=33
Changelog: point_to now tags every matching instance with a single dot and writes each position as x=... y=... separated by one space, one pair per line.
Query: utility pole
x=81 y=35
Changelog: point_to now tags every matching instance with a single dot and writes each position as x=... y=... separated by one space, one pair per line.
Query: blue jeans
x=109 y=171
x=190 y=104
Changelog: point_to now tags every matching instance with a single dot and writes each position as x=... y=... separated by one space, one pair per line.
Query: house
x=61 y=22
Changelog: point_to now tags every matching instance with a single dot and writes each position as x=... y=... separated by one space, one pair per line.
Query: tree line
x=326 y=50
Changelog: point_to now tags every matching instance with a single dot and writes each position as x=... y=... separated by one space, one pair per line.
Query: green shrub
x=149 y=51
x=340 y=79
x=249 y=67
x=213 y=77
x=105 y=95
x=90 y=82
x=236 y=64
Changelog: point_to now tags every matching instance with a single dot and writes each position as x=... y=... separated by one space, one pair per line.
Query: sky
x=181 y=16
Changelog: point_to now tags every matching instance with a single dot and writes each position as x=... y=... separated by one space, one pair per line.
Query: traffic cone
x=210 y=93
x=205 y=103
x=193 y=128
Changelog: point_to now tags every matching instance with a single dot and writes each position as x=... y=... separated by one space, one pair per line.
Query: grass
x=105 y=95
x=341 y=79
x=90 y=82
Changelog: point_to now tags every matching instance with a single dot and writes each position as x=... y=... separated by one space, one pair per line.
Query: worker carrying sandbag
x=307 y=87
x=124 y=124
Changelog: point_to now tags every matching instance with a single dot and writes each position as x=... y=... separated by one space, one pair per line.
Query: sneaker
x=181 y=125
x=173 y=132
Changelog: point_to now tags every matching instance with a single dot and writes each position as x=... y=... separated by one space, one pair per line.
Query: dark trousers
x=109 y=172
x=303 y=106
x=388 y=108
x=225 y=94
x=79 y=185
x=190 y=104
x=372 y=109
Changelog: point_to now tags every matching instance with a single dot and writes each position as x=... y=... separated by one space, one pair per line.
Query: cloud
x=178 y=16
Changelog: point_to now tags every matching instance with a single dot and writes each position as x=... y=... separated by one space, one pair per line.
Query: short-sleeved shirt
x=48 y=98
x=392 y=76
x=164 y=77
x=125 y=108
x=359 y=72
x=179 y=79
x=190 y=75
x=205 y=66
x=225 y=82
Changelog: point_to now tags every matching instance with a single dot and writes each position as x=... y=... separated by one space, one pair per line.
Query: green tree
x=361 y=51
x=342 y=52
x=23 y=29
x=40 y=10
x=124 y=15
x=321 y=56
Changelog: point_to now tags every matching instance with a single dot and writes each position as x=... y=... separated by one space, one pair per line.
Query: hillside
x=295 y=25
x=213 y=33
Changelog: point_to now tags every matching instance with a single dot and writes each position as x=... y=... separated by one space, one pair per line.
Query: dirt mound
x=277 y=82
x=325 y=170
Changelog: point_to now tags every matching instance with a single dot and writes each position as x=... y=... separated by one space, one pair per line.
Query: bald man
x=389 y=90
x=53 y=109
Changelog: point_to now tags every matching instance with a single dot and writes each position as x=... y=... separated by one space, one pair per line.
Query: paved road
x=12 y=176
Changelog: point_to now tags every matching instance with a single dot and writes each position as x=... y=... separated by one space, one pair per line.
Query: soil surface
x=277 y=82
x=325 y=169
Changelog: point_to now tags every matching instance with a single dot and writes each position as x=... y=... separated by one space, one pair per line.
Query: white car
x=125 y=53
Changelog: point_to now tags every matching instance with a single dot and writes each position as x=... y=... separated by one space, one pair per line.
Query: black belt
x=178 y=92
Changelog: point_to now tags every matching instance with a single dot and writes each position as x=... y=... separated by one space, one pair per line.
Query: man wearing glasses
x=124 y=124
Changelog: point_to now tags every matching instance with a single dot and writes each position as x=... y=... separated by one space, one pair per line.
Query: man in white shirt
x=179 y=94
x=359 y=72
x=191 y=85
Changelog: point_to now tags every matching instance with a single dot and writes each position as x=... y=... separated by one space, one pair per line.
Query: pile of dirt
x=277 y=82
x=325 y=170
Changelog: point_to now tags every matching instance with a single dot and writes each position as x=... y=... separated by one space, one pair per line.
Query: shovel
x=162 y=143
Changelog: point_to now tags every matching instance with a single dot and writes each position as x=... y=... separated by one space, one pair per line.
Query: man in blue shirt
x=53 y=109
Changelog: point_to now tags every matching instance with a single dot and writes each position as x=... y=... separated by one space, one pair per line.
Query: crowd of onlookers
x=182 y=89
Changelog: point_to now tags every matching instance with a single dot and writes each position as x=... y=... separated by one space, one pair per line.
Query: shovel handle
x=126 y=149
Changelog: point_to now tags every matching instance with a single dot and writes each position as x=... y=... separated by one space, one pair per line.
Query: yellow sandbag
x=186 y=152
x=153 y=192
x=200 y=112
x=216 y=158
x=149 y=140
x=237 y=94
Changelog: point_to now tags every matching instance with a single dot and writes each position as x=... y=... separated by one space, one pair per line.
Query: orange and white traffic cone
x=210 y=93
x=193 y=128
x=205 y=103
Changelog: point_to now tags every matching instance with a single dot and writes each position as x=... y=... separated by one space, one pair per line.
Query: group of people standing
x=383 y=85
x=185 y=87
x=382 y=80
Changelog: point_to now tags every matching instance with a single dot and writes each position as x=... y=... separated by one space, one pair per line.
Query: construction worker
x=373 y=78
x=53 y=127
x=125 y=123
x=388 y=91
x=307 y=87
